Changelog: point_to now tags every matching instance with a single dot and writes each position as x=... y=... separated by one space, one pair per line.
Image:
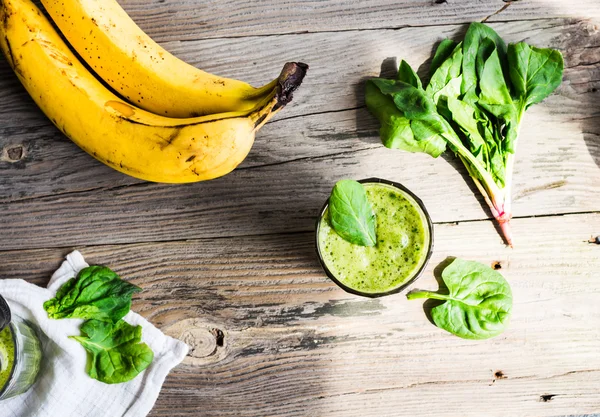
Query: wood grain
x=195 y=19
x=229 y=265
x=288 y=342
x=340 y=62
x=56 y=195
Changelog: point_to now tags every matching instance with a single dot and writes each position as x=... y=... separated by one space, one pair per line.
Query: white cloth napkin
x=63 y=388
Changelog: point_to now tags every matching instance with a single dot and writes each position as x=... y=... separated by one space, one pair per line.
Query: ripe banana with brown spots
x=142 y=71
x=129 y=139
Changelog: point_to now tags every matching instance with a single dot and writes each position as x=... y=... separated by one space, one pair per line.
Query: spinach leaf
x=475 y=38
x=479 y=302
x=447 y=72
x=417 y=128
x=494 y=90
x=96 y=293
x=351 y=214
x=408 y=75
x=115 y=351
x=395 y=129
x=443 y=51
x=534 y=72
x=479 y=137
x=412 y=101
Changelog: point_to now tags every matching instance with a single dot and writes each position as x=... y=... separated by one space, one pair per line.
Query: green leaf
x=115 y=351
x=534 y=72
x=464 y=115
x=446 y=73
x=479 y=302
x=97 y=293
x=443 y=52
x=351 y=214
x=475 y=38
x=478 y=132
x=491 y=80
x=397 y=130
x=408 y=75
x=411 y=101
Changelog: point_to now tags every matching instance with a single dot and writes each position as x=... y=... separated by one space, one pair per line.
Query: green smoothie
x=403 y=243
x=7 y=356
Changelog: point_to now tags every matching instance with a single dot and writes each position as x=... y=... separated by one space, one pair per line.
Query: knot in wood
x=13 y=153
x=201 y=341
x=206 y=341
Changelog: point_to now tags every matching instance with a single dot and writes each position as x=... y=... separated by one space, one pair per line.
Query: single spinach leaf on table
x=115 y=351
x=96 y=293
x=350 y=213
x=479 y=302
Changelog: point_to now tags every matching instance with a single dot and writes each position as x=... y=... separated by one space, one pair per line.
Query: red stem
x=506 y=230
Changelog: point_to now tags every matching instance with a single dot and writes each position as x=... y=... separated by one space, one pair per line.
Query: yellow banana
x=130 y=140
x=142 y=71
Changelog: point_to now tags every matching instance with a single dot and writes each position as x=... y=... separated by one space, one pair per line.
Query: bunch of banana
x=152 y=145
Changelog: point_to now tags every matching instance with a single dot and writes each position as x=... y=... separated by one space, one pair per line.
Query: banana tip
x=291 y=77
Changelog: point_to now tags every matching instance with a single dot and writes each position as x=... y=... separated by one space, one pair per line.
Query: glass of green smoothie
x=404 y=243
x=20 y=353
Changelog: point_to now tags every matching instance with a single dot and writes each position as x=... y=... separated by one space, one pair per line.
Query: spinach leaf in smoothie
x=96 y=293
x=115 y=350
x=351 y=214
x=479 y=302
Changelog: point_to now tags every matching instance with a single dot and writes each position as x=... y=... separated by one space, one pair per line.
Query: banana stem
x=290 y=79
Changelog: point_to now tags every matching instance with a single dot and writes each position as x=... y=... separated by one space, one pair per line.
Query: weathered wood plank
x=293 y=344
x=287 y=197
x=340 y=62
x=189 y=20
x=57 y=195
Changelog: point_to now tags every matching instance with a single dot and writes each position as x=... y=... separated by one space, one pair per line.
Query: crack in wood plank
x=176 y=241
x=331 y=28
x=497 y=12
x=452 y=382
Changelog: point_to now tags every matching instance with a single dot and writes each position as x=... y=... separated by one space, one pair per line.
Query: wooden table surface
x=229 y=265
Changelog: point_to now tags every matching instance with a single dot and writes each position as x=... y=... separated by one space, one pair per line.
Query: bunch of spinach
x=478 y=92
x=478 y=303
x=115 y=350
